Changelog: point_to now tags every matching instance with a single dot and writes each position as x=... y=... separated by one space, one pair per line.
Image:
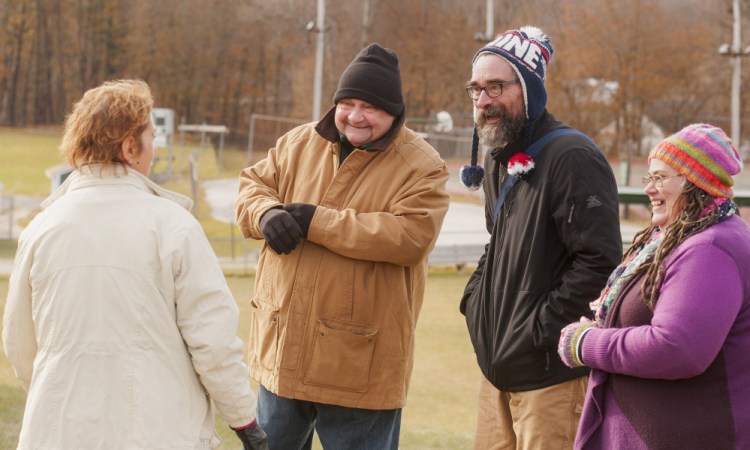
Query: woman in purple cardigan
x=669 y=347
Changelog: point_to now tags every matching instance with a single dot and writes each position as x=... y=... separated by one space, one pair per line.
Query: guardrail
x=635 y=195
x=456 y=255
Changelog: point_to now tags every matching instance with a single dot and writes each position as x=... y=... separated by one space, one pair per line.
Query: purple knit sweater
x=678 y=377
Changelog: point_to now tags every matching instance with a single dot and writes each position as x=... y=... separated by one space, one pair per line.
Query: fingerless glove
x=571 y=338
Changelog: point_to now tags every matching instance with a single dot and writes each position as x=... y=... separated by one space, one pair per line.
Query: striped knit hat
x=528 y=51
x=704 y=155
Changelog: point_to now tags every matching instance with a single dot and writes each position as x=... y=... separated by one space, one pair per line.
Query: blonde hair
x=103 y=118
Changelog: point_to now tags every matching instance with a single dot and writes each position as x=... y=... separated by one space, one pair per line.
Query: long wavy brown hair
x=694 y=201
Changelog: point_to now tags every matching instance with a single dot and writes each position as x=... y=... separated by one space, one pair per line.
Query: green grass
x=441 y=406
x=28 y=153
x=12 y=400
x=8 y=248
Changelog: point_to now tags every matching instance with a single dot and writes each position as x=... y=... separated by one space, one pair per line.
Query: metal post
x=736 y=76
x=194 y=180
x=318 y=80
x=221 y=151
x=736 y=53
x=490 y=30
x=250 y=137
x=182 y=138
x=365 y=22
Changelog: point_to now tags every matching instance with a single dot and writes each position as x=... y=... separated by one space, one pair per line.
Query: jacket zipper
x=510 y=207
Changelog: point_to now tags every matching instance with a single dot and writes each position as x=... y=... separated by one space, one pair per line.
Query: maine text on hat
x=522 y=48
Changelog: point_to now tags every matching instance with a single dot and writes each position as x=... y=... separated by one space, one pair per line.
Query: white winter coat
x=119 y=321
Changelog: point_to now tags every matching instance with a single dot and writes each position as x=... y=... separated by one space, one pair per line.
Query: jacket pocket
x=341 y=356
x=264 y=334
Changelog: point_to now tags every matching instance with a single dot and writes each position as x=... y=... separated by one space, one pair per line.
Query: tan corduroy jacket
x=333 y=321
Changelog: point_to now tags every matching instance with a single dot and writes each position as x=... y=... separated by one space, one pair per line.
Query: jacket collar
x=97 y=175
x=327 y=129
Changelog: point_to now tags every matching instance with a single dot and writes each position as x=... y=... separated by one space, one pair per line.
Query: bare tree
x=219 y=61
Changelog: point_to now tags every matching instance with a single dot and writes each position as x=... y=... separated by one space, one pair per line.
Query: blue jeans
x=289 y=425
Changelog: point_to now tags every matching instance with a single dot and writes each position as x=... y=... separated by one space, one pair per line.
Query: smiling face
x=666 y=203
x=361 y=122
x=499 y=120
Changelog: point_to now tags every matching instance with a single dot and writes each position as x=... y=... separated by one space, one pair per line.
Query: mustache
x=495 y=135
x=482 y=114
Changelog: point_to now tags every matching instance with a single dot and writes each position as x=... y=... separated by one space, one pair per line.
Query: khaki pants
x=541 y=419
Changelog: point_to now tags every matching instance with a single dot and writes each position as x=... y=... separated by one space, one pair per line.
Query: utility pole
x=318 y=80
x=365 y=23
x=737 y=53
x=489 y=33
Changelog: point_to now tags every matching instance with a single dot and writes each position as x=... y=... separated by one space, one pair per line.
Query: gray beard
x=506 y=131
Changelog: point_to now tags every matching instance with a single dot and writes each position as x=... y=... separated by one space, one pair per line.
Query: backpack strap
x=532 y=151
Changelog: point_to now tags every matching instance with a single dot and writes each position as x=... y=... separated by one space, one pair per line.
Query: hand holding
x=280 y=230
x=303 y=214
x=252 y=437
x=571 y=338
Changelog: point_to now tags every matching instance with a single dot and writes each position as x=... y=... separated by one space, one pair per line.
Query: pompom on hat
x=374 y=77
x=528 y=50
x=703 y=154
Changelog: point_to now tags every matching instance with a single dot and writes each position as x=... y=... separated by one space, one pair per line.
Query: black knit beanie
x=373 y=76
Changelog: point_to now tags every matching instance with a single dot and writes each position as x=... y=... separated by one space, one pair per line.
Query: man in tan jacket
x=350 y=208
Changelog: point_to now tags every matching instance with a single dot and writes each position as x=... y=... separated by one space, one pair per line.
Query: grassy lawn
x=8 y=248
x=28 y=153
x=440 y=410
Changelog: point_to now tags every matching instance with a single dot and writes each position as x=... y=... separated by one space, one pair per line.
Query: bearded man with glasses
x=553 y=217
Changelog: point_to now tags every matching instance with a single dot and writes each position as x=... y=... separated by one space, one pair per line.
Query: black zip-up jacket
x=553 y=245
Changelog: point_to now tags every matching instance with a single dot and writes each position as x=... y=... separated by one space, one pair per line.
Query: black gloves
x=283 y=227
x=280 y=230
x=252 y=437
x=302 y=213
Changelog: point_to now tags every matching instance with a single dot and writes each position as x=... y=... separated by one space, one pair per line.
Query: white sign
x=164 y=124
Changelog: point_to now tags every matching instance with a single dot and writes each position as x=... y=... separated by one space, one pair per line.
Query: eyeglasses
x=492 y=90
x=658 y=180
